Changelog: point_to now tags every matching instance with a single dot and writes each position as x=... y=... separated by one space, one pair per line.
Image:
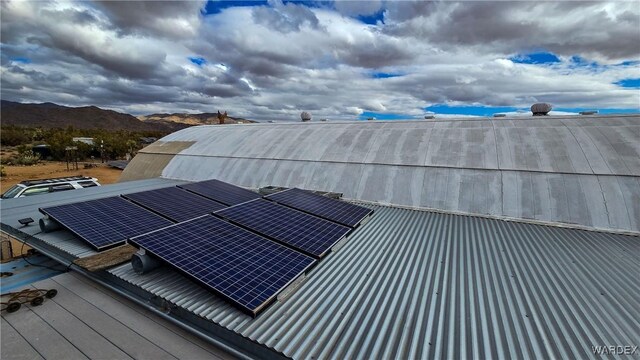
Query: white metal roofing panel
x=581 y=170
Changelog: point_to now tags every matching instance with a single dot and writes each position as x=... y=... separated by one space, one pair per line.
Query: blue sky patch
x=307 y=3
x=373 y=18
x=384 y=75
x=629 y=63
x=579 y=61
x=382 y=116
x=629 y=83
x=535 y=58
x=470 y=110
x=215 y=7
x=22 y=60
x=198 y=60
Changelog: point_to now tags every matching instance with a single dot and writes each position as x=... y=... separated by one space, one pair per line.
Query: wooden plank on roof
x=107 y=259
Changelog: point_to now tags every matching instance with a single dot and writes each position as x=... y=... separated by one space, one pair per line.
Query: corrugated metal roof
x=420 y=284
x=577 y=170
x=416 y=284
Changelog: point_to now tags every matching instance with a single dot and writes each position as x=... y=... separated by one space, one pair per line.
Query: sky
x=339 y=60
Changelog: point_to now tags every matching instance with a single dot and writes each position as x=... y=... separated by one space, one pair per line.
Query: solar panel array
x=307 y=233
x=174 y=203
x=221 y=191
x=107 y=222
x=235 y=263
x=247 y=252
x=330 y=209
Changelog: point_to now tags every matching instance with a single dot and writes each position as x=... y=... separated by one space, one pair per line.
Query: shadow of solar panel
x=307 y=233
x=176 y=204
x=105 y=223
x=324 y=207
x=238 y=265
x=222 y=192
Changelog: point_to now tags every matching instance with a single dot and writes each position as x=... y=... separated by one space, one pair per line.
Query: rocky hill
x=191 y=119
x=50 y=115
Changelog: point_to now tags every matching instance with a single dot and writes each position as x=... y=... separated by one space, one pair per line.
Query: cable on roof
x=67 y=268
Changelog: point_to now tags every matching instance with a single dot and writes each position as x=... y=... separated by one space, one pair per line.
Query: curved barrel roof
x=579 y=170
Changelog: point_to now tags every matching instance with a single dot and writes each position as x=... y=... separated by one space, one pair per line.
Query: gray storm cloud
x=282 y=58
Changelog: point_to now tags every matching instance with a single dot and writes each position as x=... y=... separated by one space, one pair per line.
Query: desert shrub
x=26 y=157
x=14 y=136
x=115 y=143
x=3 y=173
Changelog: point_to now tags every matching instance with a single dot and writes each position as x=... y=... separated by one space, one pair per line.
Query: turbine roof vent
x=305 y=116
x=541 y=109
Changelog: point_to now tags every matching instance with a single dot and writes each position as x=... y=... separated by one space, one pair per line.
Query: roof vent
x=588 y=112
x=541 y=109
x=371 y=118
x=499 y=115
x=305 y=116
x=429 y=116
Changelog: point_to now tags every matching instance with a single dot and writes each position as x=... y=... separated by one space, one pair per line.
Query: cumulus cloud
x=599 y=30
x=174 y=19
x=284 y=17
x=273 y=61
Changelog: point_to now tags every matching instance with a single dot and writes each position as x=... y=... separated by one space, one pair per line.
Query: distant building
x=43 y=150
x=84 y=140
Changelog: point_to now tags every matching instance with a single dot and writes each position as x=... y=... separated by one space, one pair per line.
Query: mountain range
x=50 y=115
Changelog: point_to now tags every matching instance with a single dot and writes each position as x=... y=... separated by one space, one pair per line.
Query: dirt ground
x=50 y=169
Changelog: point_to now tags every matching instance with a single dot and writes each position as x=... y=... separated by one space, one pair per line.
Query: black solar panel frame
x=273 y=197
x=286 y=242
x=171 y=215
x=112 y=244
x=265 y=304
x=225 y=189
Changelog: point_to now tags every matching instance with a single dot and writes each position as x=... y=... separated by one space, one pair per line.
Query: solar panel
x=307 y=233
x=223 y=192
x=176 y=204
x=107 y=222
x=330 y=209
x=237 y=264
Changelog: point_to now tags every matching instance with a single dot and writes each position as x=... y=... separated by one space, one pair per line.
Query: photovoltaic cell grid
x=106 y=222
x=221 y=192
x=176 y=204
x=239 y=265
x=324 y=207
x=307 y=233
